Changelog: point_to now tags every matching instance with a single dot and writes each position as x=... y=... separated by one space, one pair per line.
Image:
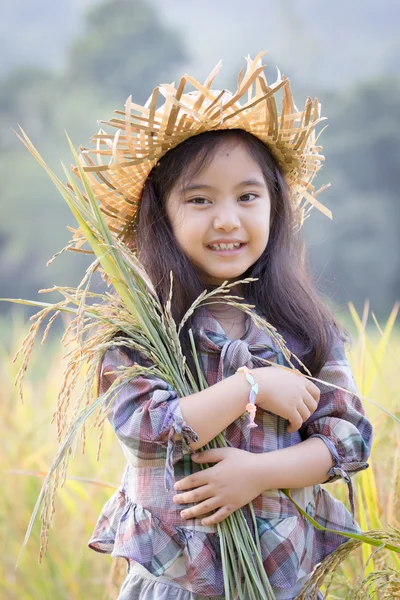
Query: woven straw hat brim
x=118 y=164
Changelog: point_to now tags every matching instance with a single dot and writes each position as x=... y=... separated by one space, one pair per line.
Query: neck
x=226 y=312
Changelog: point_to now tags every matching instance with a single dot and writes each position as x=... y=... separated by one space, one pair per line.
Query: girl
x=220 y=204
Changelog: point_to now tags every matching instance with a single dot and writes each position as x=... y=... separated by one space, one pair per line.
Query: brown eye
x=248 y=197
x=198 y=200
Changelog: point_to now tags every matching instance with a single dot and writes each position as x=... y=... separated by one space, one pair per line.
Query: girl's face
x=221 y=217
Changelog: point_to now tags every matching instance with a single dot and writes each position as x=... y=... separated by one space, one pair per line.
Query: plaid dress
x=140 y=521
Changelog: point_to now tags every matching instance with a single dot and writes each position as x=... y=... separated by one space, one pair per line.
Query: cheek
x=175 y=214
x=188 y=233
x=187 y=226
x=261 y=228
x=178 y=223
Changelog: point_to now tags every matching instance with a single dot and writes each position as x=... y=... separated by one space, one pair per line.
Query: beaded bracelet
x=250 y=406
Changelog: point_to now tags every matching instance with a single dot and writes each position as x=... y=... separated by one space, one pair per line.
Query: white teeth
x=225 y=246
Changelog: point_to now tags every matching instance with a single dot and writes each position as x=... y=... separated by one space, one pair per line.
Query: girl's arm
x=338 y=445
x=340 y=420
x=299 y=466
x=146 y=411
x=337 y=440
x=283 y=392
x=337 y=436
x=132 y=412
x=240 y=476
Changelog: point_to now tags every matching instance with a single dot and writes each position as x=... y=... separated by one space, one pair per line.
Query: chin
x=218 y=278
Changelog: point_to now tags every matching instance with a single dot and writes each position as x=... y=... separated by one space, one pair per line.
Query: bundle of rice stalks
x=144 y=324
x=147 y=326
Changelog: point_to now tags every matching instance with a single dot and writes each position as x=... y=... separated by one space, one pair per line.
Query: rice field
x=71 y=571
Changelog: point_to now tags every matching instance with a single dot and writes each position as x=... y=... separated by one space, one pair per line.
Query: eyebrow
x=201 y=186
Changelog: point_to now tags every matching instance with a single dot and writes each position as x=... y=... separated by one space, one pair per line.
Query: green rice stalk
x=236 y=522
x=359 y=537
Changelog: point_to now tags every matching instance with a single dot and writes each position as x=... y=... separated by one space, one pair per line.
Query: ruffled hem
x=141 y=584
x=290 y=545
x=128 y=530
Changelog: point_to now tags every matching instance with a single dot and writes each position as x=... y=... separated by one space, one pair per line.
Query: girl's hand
x=227 y=486
x=286 y=393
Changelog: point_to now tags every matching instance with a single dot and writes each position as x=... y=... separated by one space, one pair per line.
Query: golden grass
x=28 y=446
x=70 y=570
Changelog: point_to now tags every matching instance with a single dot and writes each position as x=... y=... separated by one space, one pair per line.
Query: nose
x=226 y=219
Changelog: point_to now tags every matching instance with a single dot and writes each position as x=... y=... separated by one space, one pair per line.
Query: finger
x=295 y=422
x=192 y=481
x=310 y=402
x=197 y=495
x=202 y=509
x=218 y=516
x=209 y=456
x=304 y=412
x=313 y=390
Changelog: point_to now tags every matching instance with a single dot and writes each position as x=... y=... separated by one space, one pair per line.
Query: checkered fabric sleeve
x=340 y=419
x=145 y=414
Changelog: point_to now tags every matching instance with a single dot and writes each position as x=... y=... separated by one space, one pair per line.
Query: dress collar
x=250 y=350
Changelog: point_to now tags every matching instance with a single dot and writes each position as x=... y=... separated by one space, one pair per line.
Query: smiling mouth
x=226 y=247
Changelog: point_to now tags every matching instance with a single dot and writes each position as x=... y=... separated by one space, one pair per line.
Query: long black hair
x=283 y=293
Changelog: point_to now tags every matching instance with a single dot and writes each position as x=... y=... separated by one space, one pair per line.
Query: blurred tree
x=360 y=250
x=364 y=137
x=125 y=50
x=36 y=33
x=126 y=47
x=26 y=95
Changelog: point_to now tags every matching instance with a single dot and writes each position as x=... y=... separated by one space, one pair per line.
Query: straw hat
x=118 y=164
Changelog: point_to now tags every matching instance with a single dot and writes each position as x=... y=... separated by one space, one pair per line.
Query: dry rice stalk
x=70 y=247
x=49 y=324
x=324 y=573
x=385 y=583
x=28 y=343
x=115 y=578
x=58 y=470
x=101 y=434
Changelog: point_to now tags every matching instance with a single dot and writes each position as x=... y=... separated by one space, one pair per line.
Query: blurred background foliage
x=66 y=67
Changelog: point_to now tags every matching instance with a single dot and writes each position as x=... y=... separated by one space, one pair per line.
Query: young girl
x=221 y=204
